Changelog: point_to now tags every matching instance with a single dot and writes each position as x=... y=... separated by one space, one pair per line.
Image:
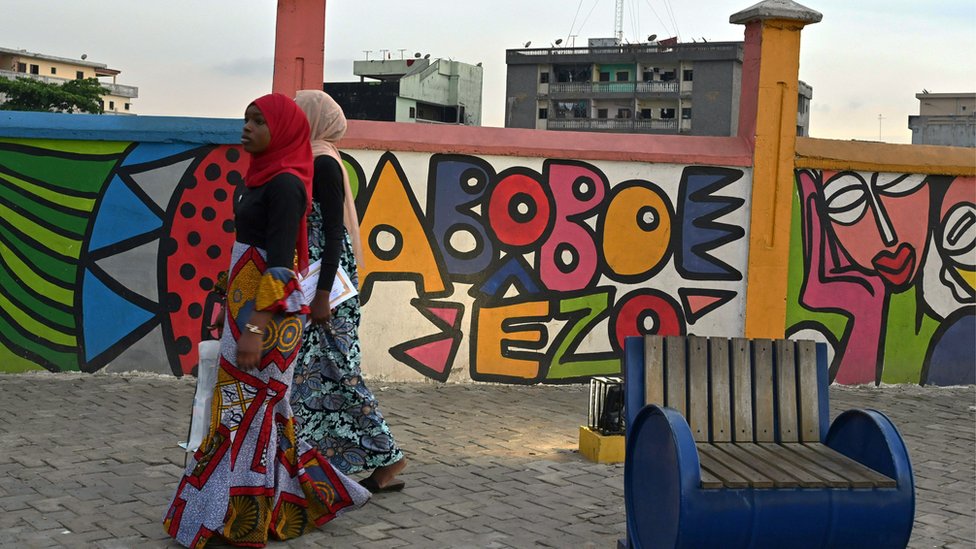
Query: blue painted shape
x=450 y=203
x=698 y=209
x=148 y=152
x=953 y=360
x=513 y=270
x=108 y=316
x=121 y=215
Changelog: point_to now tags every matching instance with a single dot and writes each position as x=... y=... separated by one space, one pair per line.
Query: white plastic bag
x=206 y=380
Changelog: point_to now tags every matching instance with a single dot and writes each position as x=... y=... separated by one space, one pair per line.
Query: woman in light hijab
x=252 y=479
x=334 y=409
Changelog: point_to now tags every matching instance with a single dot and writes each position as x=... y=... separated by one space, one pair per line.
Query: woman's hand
x=321 y=313
x=249 y=351
x=250 y=343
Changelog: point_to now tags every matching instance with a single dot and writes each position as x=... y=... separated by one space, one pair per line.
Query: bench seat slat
x=715 y=468
x=792 y=458
x=754 y=478
x=851 y=469
x=799 y=476
x=780 y=478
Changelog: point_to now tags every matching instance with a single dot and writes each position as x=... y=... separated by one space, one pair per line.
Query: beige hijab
x=327 y=125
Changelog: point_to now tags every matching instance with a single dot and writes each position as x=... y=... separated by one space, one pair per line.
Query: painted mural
x=492 y=269
x=883 y=268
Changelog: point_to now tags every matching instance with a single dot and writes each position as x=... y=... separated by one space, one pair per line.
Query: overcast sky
x=211 y=57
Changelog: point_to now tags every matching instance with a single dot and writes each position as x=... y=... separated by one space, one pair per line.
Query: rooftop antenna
x=880 y=118
x=618 y=21
x=383 y=53
x=401 y=50
x=367 y=52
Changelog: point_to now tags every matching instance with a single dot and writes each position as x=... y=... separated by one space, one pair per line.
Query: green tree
x=28 y=94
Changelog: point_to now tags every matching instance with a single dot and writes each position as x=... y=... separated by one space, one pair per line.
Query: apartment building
x=49 y=68
x=944 y=119
x=416 y=90
x=659 y=87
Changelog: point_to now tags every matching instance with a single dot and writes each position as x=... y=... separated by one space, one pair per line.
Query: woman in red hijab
x=251 y=478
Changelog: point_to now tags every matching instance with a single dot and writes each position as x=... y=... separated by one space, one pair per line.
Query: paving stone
x=491 y=466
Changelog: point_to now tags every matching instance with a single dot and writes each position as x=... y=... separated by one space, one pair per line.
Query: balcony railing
x=612 y=124
x=727 y=48
x=112 y=89
x=613 y=87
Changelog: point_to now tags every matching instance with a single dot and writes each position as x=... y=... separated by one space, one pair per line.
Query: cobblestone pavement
x=91 y=461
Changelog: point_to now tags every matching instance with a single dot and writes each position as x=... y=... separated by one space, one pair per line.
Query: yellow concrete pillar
x=770 y=82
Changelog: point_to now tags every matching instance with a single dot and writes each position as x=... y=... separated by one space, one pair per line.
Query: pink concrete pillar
x=299 y=62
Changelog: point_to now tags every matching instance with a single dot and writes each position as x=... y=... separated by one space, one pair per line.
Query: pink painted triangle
x=699 y=302
x=446 y=314
x=433 y=355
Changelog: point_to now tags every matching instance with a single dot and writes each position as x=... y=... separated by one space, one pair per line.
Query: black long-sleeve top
x=329 y=193
x=269 y=216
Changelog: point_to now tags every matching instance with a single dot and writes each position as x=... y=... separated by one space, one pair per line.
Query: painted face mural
x=876 y=221
x=886 y=275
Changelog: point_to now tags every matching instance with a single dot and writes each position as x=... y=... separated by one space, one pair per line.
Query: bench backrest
x=732 y=390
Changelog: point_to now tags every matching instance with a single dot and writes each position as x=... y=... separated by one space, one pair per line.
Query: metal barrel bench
x=729 y=444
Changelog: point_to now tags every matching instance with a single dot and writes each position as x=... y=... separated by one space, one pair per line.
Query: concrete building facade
x=415 y=90
x=944 y=119
x=659 y=88
x=117 y=98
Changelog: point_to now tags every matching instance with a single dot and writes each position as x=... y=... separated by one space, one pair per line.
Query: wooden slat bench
x=725 y=435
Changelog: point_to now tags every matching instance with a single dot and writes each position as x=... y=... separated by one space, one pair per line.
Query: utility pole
x=880 y=118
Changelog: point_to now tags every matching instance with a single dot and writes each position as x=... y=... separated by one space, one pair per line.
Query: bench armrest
x=660 y=470
x=870 y=438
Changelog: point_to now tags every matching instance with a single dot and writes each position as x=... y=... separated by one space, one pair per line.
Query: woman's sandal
x=370 y=484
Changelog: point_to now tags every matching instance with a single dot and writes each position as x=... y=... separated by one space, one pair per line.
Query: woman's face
x=881 y=221
x=255 y=137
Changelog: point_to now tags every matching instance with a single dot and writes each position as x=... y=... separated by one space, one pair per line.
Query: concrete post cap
x=776 y=9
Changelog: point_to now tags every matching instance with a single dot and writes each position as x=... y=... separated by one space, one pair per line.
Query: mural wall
x=517 y=270
x=883 y=268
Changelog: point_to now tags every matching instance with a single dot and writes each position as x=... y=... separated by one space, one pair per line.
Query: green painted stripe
x=39 y=210
x=12 y=363
x=85 y=205
x=16 y=291
x=78 y=174
x=72 y=146
x=48 y=264
x=60 y=244
x=34 y=280
x=28 y=323
x=64 y=361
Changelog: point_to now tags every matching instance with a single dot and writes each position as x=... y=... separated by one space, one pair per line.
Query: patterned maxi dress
x=334 y=409
x=252 y=477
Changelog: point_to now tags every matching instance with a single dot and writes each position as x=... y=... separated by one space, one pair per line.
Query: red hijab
x=288 y=152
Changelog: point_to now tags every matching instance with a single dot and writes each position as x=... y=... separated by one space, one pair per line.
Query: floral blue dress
x=334 y=410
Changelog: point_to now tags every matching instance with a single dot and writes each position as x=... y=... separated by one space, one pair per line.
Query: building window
x=412 y=113
x=80 y=75
x=54 y=70
x=667 y=114
x=571 y=109
x=35 y=69
x=799 y=131
x=601 y=113
x=604 y=77
x=686 y=113
x=648 y=76
x=126 y=106
x=111 y=105
x=101 y=104
x=623 y=113
x=21 y=67
x=688 y=75
x=646 y=114
x=623 y=76
x=544 y=78
x=573 y=73
x=668 y=76
x=804 y=104
x=543 y=113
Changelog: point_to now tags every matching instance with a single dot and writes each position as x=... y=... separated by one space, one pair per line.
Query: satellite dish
x=479 y=64
x=417 y=55
x=529 y=43
x=427 y=56
x=84 y=56
x=559 y=41
x=652 y=38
